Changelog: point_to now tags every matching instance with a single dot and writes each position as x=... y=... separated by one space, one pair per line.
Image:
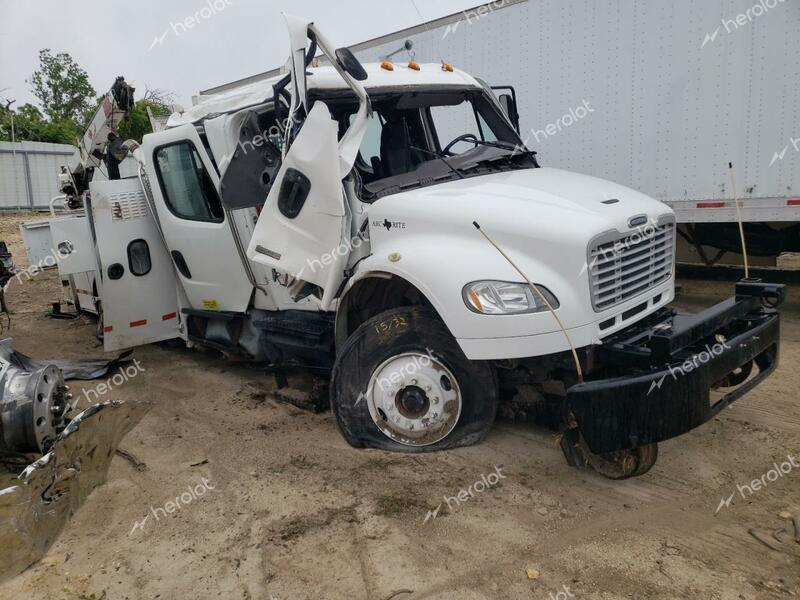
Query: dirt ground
x=284 y=509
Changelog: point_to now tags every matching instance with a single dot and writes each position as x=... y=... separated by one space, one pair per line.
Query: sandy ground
x=287 y=511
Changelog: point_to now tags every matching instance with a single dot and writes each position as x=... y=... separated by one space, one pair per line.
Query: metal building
x=29 y=173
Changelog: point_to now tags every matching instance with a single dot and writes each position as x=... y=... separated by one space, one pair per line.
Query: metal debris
x=73 y=368
x=50 y=463
x=36 y=504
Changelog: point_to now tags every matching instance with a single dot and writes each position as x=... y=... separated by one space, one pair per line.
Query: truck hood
x=546 y=220
x=546 y=194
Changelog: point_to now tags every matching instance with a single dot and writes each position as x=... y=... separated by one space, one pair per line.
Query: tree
x=62 y=87
x=30 y=125
x=137 y=124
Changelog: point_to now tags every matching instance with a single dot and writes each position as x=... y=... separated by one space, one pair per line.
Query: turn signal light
x=387 y=65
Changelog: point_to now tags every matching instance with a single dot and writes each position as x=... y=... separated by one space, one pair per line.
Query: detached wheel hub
x=33 y=408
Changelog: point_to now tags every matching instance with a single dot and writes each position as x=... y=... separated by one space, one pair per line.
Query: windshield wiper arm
x=516 y=149
x=440 y=157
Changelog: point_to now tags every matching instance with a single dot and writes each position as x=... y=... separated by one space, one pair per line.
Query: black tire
x=393 y=333
x=625 y=464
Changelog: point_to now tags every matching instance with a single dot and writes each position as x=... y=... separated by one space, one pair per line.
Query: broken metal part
x=7 y=271
x=7 y=267
x=33 y=406
x=73 y=368
x=36 y=505
x=621 y=464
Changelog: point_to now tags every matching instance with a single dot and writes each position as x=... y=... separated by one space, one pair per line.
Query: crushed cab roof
x=322 y=78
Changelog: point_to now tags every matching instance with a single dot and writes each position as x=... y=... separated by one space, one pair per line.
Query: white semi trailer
x=385 y=224
x=675 y=92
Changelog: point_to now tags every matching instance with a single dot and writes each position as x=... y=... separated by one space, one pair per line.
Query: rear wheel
x=402 y=383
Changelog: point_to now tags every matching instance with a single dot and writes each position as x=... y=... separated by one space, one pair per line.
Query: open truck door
x=139 y=294
x=185 y=189
x=304 y=227
x=303 y=224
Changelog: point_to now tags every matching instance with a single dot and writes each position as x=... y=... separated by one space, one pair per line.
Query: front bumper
x=674 y=361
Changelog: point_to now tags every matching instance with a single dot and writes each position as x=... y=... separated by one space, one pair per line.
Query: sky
x=149 y=43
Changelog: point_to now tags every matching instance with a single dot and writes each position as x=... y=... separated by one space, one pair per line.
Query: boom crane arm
x=113 y=109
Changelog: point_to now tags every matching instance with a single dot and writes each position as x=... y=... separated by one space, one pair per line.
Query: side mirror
x=509 y=106
x=348 y=61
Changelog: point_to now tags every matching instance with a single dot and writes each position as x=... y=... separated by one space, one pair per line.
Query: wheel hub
x=414 y=399
x=412 y=402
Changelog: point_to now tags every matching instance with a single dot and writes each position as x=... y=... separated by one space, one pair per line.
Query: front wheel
x=402 y=383
x=625 y=464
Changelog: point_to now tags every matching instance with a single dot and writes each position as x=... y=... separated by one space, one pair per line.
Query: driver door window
x=187 y=188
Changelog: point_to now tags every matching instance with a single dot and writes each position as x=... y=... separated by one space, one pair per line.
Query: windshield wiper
x=441 y=157
x=516 y=149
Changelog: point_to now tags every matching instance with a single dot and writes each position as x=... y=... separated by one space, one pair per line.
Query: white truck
x=328 y=218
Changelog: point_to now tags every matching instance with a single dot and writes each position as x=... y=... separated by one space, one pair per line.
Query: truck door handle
x=180 y=263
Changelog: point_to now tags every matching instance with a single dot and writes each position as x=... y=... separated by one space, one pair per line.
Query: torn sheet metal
x=73 y=368
x=36 y=504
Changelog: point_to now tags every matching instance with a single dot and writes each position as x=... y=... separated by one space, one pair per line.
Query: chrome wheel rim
x=414 y=399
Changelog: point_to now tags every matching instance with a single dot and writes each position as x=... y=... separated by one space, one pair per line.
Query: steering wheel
x=467 y=137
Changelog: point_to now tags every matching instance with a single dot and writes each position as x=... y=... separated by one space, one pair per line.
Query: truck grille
x=628 y=266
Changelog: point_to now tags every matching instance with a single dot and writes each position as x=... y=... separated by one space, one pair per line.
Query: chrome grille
x=623 y=268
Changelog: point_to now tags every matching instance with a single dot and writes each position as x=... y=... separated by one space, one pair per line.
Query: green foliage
x=62 y=87
x=30 y=125
x=68 y=102
x=137 y=124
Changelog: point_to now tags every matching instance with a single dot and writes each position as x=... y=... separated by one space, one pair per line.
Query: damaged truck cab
x=327 y=219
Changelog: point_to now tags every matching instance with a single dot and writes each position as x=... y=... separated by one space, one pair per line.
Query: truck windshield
x=423 y=138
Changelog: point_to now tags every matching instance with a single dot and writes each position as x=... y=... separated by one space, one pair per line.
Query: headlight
x=506 y=298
